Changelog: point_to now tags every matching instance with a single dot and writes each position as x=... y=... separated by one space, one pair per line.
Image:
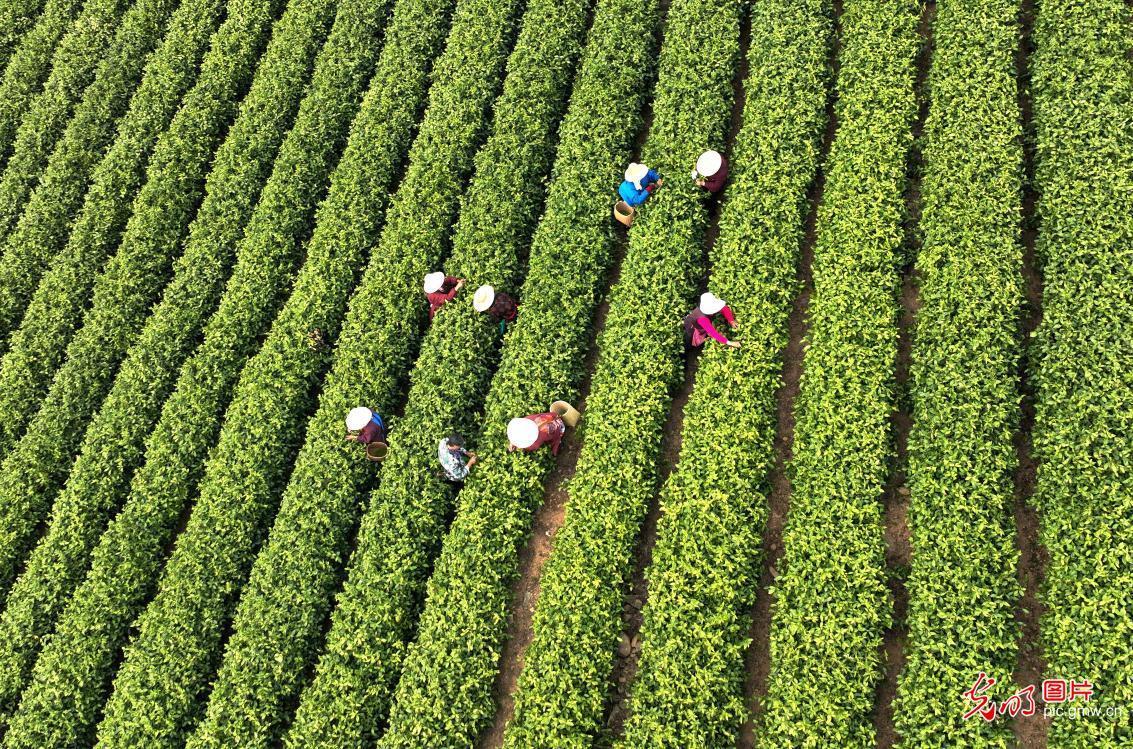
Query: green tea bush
x=115 y=438
x=112 y=50
x=705 y=562
x=170 y=664
x=962 y=587
x=129 y=557
x=30 y=65
x=36 y=348
x=278 y=623
x=1082 y=88
x=34 y=465
x=831 y=599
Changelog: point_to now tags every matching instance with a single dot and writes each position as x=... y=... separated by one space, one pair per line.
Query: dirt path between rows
x=758 y=656
x=549 y=517
x=629 y=645
x=898 y=546
x=1030 y=732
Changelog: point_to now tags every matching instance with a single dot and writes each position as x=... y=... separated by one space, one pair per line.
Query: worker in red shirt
x=439 y=289
x=532 y=432
x=698 y=323
x=711 y=171
x=500 y=307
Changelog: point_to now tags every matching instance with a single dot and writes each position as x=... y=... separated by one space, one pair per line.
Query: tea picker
x=439 y=289
x=698 y=323
x=455 y=459
x=639 y=183
x=532 y=432
x=711 y=172
x=367 y=427
x=500 y=307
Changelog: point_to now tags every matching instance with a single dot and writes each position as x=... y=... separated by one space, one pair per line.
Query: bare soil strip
x=1030 y=732
x=758 y=658
x=629 y=645
x=549 y=517
x=898 y=548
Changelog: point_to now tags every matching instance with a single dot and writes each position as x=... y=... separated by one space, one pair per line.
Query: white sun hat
x=710 y=304
x=358 y=418
x=709 y=163
x=483 y=299
x=433 y=282
x=635 y=173
x=522 y=432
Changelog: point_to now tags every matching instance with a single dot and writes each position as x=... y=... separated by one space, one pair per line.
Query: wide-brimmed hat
x=522 y=432
x=358 y=418
x=483 y=299
x=710 y=304
x=434 y=282
x=635 y=173
x=709 y=163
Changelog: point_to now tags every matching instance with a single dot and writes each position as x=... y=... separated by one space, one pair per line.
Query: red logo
x=1023 y=701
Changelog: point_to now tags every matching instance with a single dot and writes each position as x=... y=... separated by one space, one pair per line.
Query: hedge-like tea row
x=831 y=599
x=16 y=17
x=160 y=213
x=348 y=701
x=127 y=562
x=702 y=580
x=1083 y=357
x=278 y=624
x=563 y=687
x=30 y=65
x=962 y=585
x=124 y=292
x=170 y=663
x=114 y=440
x=37 y=345
x=109 y=47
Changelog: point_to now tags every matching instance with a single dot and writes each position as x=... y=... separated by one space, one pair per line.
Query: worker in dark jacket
x=698 y=323
x=532 y=432
x=711 y=172
x=439 y=289
x=365 y=426
x=640 y=182
x=500 y=307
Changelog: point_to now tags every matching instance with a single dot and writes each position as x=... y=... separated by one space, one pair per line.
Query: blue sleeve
x=652 y=176
x=629 y=195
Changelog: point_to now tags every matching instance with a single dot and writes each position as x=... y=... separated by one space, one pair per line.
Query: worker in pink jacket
x=698 y=323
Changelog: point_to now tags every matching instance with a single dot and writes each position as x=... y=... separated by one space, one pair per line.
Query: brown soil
x=625 y=665
x=896 y=534
x=758 y=657
x=1030 y=732
x=547 y=521
x=549 y=518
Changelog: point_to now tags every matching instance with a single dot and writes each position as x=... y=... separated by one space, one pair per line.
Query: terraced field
x=897 y=513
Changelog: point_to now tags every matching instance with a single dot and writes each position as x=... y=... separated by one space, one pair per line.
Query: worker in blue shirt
x=640 y=182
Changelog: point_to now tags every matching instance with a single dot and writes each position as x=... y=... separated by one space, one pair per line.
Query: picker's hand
x=733 y=344
x=460 y=284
